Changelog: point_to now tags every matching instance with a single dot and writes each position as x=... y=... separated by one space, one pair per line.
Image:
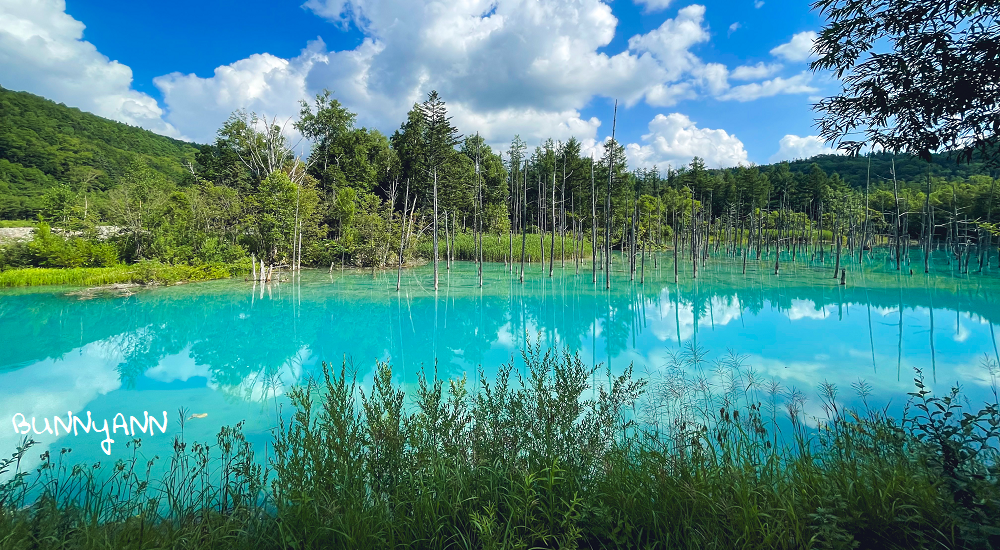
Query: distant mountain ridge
x=45 y=144
x=910 y=168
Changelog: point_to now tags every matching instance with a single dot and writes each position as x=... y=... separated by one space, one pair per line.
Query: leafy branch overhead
x=918 y=76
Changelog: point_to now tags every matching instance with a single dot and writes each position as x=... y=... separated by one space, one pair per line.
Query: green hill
x=44 y=144
x=909 y=168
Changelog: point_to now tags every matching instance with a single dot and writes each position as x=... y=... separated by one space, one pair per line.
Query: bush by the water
x=691 y=458
x=47 y=249
x=54 y=259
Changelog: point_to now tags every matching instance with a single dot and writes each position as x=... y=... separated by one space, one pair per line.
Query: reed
x=497 y=249
x=142 y=273
x=17 y=223
x=699 y=454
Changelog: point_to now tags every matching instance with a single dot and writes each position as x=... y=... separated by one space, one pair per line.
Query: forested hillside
x=364 y=198
x=854 y=170
x=46 y=145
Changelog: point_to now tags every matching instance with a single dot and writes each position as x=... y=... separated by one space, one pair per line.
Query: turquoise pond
x=230 y=350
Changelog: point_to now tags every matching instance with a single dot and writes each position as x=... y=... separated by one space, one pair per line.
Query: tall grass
x=699 y=455
x=18 y=223
x=497 y=249
x=142 y=273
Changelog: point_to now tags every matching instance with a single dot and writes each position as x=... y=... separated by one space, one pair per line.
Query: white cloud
x=540 y=55
x=671 y=318
x=793 y=147
x=53 y=387
x=653 y=5
x=799 y=48
x=335 y=11
x=806 y=309
x=713 y=76
x=961 y=335
x=976 y=372
x=42 y=51
x=675 y=139
x=734 y=27
x=489 y=60
x=797 y=84
x=268 y=383
x=179 y=366
x=671 y=42
x=758 y=4
x=755 y=72
x=498 y=127
x=503 y=68
x=263 y=83
x=667 y=95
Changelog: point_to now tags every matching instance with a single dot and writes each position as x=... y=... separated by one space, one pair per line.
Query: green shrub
x=47 y=249
x=544 y=460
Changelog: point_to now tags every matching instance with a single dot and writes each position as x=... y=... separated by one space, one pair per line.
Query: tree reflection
x=248 y=338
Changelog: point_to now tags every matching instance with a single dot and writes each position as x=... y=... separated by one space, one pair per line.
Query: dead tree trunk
x=694 y=253
x=593 y=223
x=447 y=242
x=607 y=209
x=895 y=192
x=552 y=245
x=675 y=232
x=838 y=225
x=524 y=215
x=928 y=228
x=435 y=229
x=402 y=235
x=989 y=234
x=541 y=222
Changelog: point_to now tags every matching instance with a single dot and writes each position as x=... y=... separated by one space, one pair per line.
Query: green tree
x=133 y=206
x=175 y=238
x=220 y=164
x=817 y=186
x=57 y=203
x=408 y=143
x=491 y=167
x=438 y=146
x=259 y=143
x=698 y=178
x=328 y=125
x=271 y=217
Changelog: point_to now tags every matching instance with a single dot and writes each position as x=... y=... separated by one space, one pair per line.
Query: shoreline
x=148 y=274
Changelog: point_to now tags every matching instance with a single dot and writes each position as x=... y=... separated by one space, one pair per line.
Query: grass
x=698 y=455
x=142 y=273
x=495 y=250
x=17 y=223
x=498 y=249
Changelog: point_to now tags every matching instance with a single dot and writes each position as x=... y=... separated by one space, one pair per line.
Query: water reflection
x=230 y=349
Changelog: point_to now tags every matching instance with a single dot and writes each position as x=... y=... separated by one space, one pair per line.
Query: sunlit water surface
x=230 y=350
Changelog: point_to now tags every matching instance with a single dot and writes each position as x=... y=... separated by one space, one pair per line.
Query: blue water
x=230 y=350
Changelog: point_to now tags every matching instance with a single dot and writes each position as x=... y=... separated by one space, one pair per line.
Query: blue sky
x=727 y=81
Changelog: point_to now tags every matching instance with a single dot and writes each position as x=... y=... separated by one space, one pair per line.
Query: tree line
x=365 y=199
